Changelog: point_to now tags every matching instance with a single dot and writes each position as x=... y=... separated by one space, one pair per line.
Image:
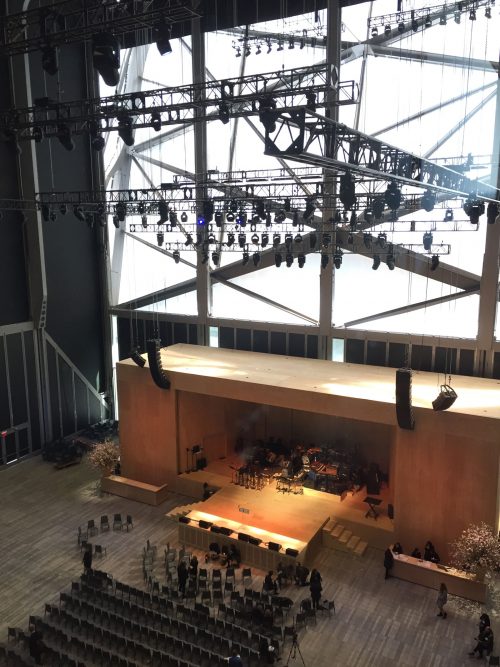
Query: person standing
x=315 y=587
x=36 y=645
x=87 y=559
x=484 y=622
x=235 y=660
x=442 y=599
x=388 y=562
x=182 y=575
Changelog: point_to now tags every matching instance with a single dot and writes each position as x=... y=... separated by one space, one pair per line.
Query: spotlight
x=268 y=219
x=367 y=240
x=255 y=239
x=280 y=216
x=427 y=241
x=291 y=43
x=50 y=59
x=324 y=261
x=163 y=212
x=256 y=258
x=376 y=262
x=387 y=30
x=288 y=241
x=434 y=262
x=121 y=211
x=280 y=45
x=442 y=19
x=230 y=240
x=492 y=212
x=45 y=210
x=106 y=57
x=160 y=238
x=125 y=129
x=301 y=259
x=64 y=136
x=242 y=240
x=487 y=12
x=401 y=27
x=241 y=219
x=215 y=258
x=276 y=240
x=393 y=196
x=428 y=21
x=238 y=52
x=162 y=34
x=156 y=121
x=278 y=258
x=289 y=259
x=267 y=115
x=245 y=259
x=224 y=115
x=382 y=240
x=428 y=200
x=311 y=100
x=176 y=256
x=310 y=208
x=136 y=356
x=172 y=217
x=298 y=238
x=472 y=14
x=414 y=25
x=390 y=260
x=457 y=17
x=337 y=258
x=98 y=142
x=474 y=208
x=447 y=396
x=184 y=216
x=258 y=51
x=144 y=221
x=265 y=239
x=374 y=32
x=269 y=45
x=448 y=216
x=378 y=206
x=260 y=210
x=189 y=240
x=219 y=218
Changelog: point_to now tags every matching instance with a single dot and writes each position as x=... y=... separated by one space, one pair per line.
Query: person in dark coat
x=270 y=585
x=182 y=574
x=397 y=548
x=416 y=553
x=430 y=553
x=87 y=559
x=484 y=643
x=484 y=622
x=35 y=645
x=388 y=562
x=301 y=574
x=315 y=575
x=193 y=567
x=315 y=587
x=235 y=660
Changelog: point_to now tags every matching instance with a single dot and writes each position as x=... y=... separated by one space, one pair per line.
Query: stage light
x=278 y=258
x=37 y=134
x=291 y=42
x=106 y=57
x=374 y=32
x=393 y=196
x=428 y=21
x=337 y=258
x=125 y=129
x=208 y=210
x=241 y=219
x=260 y=210
x=268 y=219
x=472 y=14
x=269 y=45
x=311 y=101
x=238 y=52
x=382 y=240
x=376 y=262
x=414 y=25
x=116 y=221
x=390 y=260
x=378 y=206
x=172 y=217
x=313 y=239
x=387 y=30
x=242 y=240
x=446 y=397
x=487 y=12
x=137 y=358
x=215 y=258
x=156 y=121
x=45 y=211
x=288 y=241
x=280 y=45
x=160 y=237
x=289 y=260
x=448 y=216
x=121 y=211
x=326 y=239
x=245 y=258
x=276 y=240
x=301 y=259
x=258 y=50
x=428 y=200
x=248 y=50
x=230 y=240
x=184 y=216
x=50 y=59
x=189 y=240
x=219 y=218
x=367 y=240
x=347 y=190
x=144 y=221
x=457 y=17
x=162 y=34
x=492 y=212
x=163 y=212
x=64 y=136
x=442 y=19
x=295 y=219
x=224 y=115
x=474 y=208
x=310 y=208
x=401 y=27
x=204 y=257
x=176 y=255
x=324 y=261
x=427 y=241
x=255 y=238
x=256 y=258
x=298 y=238
x=434 y=262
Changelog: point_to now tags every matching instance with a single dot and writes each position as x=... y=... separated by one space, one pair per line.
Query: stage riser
x=375 y=536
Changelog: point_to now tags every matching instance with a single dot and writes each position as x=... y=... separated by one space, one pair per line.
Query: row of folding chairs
x=11 y=658
x=104 y=525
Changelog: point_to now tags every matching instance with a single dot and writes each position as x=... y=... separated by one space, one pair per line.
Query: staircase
x=337 y=536
x=182 y=510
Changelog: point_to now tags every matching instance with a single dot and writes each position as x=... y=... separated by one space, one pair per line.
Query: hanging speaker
x=153 y=347
x=225 y=531
x=404 y=411
x=254 y=540
x=447 y=396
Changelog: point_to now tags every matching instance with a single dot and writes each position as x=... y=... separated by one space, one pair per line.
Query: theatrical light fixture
x=224 y=115
x=278 y=258
x=160 y=237
x=457 y=17
x=390 y=260
x=287 y=205
x=387 y=30
x=50 y=61
x=291 y=42
x=184 y=216
x=215 y=258
x=64 y=136
x=116 y=221
x=176 y=255
x=382 y=240
x=172 y=217
x=144 y=221
x=434 y=262
x=298 y=238
x=326 y=239
x=137 y=357
x=474 y=208
x=280 y=216
x=264 y=239
x=472 y=14
x=189 y=240
x=162 y=34
x=492 y=212
x=37 y=134
x=256 y=258
x=276 y=240
x=324 y=261
x=301 y=259
x=428 y=200
x=337 y=258
x=106 y=57
x=310 y=208
x=241 y=219
x=289 y=259
x=45 y=210
x=163 y=212
x=427 y=241
x=121 y=211
x=487 y=12
x=378 y=206
x=268 y=219
x=428 y=21
x=219 y=218
x=245 y=258
x=376 y=262
x=374 y=32
x=125 y=129
x=448 y=216
x=367 y=240
x=311 y=101
x=401 y=27
x=393 y=196
x=156 y=121
x=442 y=19
x=414 y=25
x=230 y=240
x=347 y=191
x=242 y=239
x=280 y=45
x=255 y=238
x=288 y=241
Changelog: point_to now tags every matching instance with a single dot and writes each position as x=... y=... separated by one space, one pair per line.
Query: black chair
x=91 y=527
x=117 y=522
x=129 y=523
x=104 y=525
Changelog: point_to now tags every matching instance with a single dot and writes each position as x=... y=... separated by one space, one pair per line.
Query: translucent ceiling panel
x=294 y=288
x=361 y=292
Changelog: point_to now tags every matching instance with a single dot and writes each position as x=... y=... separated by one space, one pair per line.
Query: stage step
x=345 y=537
x=330 y=525
x=353 y=542
x=361 y=548
x=338 y=530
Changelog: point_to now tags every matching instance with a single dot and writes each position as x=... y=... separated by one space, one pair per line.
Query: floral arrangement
x=477 y=550
x=104 y=456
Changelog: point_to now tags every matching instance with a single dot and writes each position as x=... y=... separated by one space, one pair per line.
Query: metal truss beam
x=240 y=96
x=71 y=21
x=423 y=14
x=304 y=136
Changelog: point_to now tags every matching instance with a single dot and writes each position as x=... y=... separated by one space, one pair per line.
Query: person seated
x=193 y=567
x=397 y=548
x=213 y=552
x=206 y=492
x=430 y=553
x=416 y=553
x=484 y=642
x=233 y=556
x=270 y=584
x=258 y=614
x=224 y=555
x=266 y=652
x=268 y=620
x=301 y=574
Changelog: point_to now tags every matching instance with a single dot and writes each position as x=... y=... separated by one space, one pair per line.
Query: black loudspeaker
x=254 y=540
x=201 y=463
x=153 y=347
x=225 y=531
x=447 y=396
x=204 y=524
x=243 y=537
x=404 y=411
x=196 y=449
x=215 y=529
x=292 y=552
x=390 y=511
x=273 y=546
x=184 y=519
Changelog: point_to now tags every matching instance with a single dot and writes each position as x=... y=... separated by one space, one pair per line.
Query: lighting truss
x=304 y=136
x=70 y=21
x=421 y=14
x=176 y=105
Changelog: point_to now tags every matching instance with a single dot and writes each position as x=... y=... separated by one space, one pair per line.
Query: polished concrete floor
x=380 y=623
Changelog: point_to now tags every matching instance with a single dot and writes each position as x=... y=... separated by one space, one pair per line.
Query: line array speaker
x=446 y=398
x=243 y=537
x=254 y=540
x=404 y=410
x=153 y=347
x=225 y=531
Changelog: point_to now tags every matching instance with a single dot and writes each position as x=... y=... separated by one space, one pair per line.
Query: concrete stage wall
x=444 y=474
